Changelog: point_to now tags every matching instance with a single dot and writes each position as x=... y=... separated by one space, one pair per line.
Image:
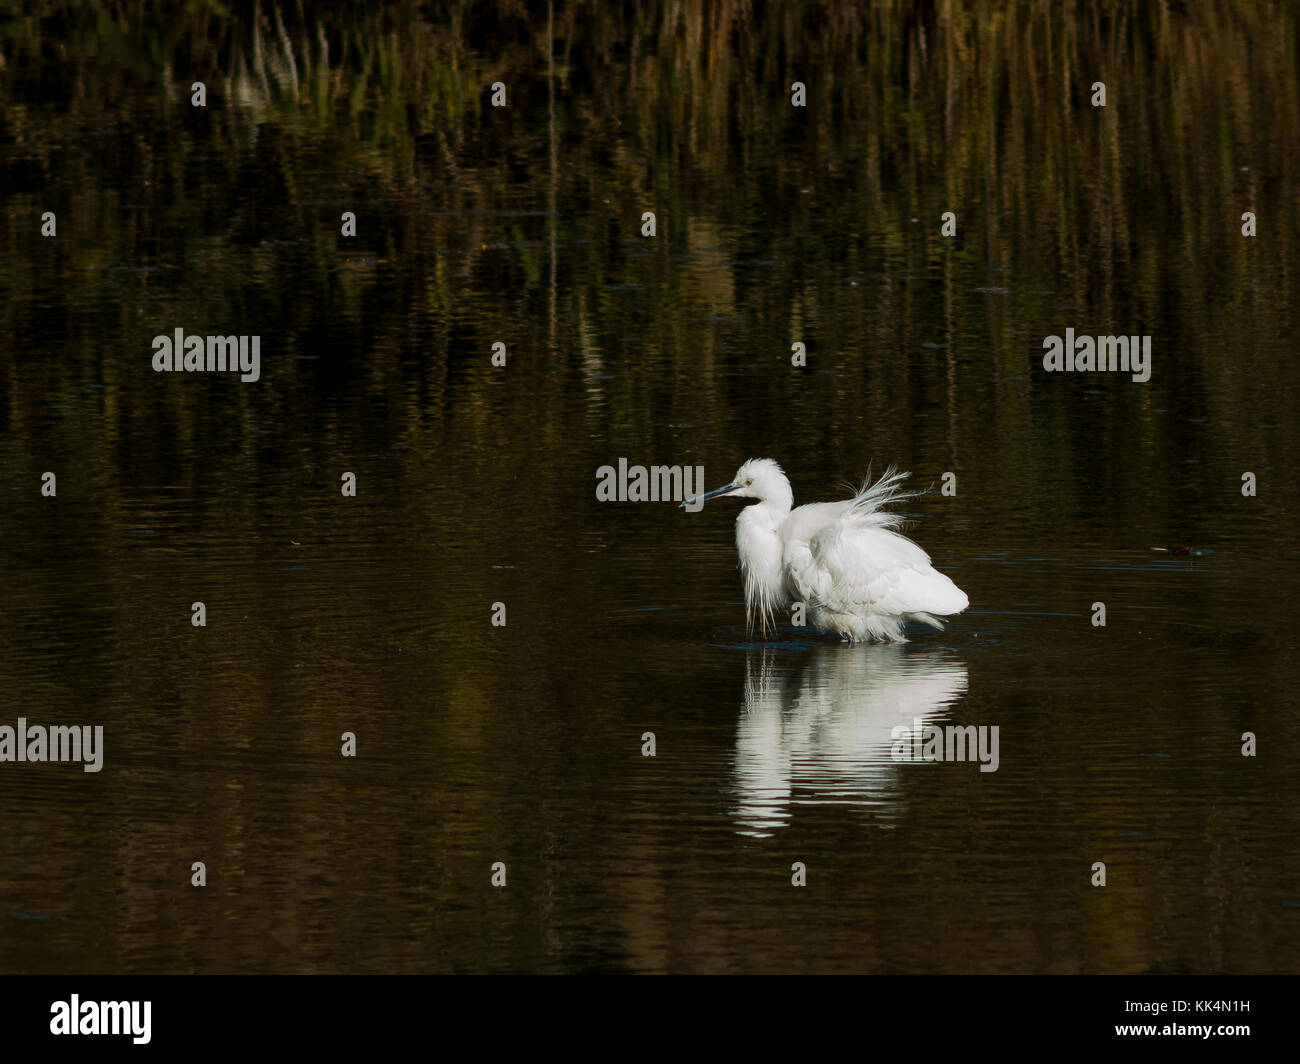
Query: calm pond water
x=475 y=485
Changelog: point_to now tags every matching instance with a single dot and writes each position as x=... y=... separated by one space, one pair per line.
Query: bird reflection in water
x=816 y=728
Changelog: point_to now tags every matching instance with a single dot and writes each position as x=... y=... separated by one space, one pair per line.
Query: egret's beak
x=700 y=500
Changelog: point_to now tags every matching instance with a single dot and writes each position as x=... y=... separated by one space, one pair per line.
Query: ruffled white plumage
x=856 y=574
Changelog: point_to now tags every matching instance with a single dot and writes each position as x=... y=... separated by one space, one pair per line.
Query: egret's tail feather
x=926 y=618
x=871 y=499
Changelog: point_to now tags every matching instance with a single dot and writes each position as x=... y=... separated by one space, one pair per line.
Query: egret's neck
x=758 y=542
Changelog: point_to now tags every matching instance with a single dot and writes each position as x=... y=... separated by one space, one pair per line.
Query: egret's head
x=759 y=478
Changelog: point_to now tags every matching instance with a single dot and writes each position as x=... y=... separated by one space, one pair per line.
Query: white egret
x=857 y=576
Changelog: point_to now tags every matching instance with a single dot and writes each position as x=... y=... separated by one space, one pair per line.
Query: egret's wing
x=850 y=566
x=874 y=567
x=851 y=561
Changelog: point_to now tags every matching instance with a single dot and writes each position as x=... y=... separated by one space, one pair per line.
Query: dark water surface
x=476 y=485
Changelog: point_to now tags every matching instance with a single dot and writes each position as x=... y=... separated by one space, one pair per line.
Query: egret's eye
x=749 y=482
